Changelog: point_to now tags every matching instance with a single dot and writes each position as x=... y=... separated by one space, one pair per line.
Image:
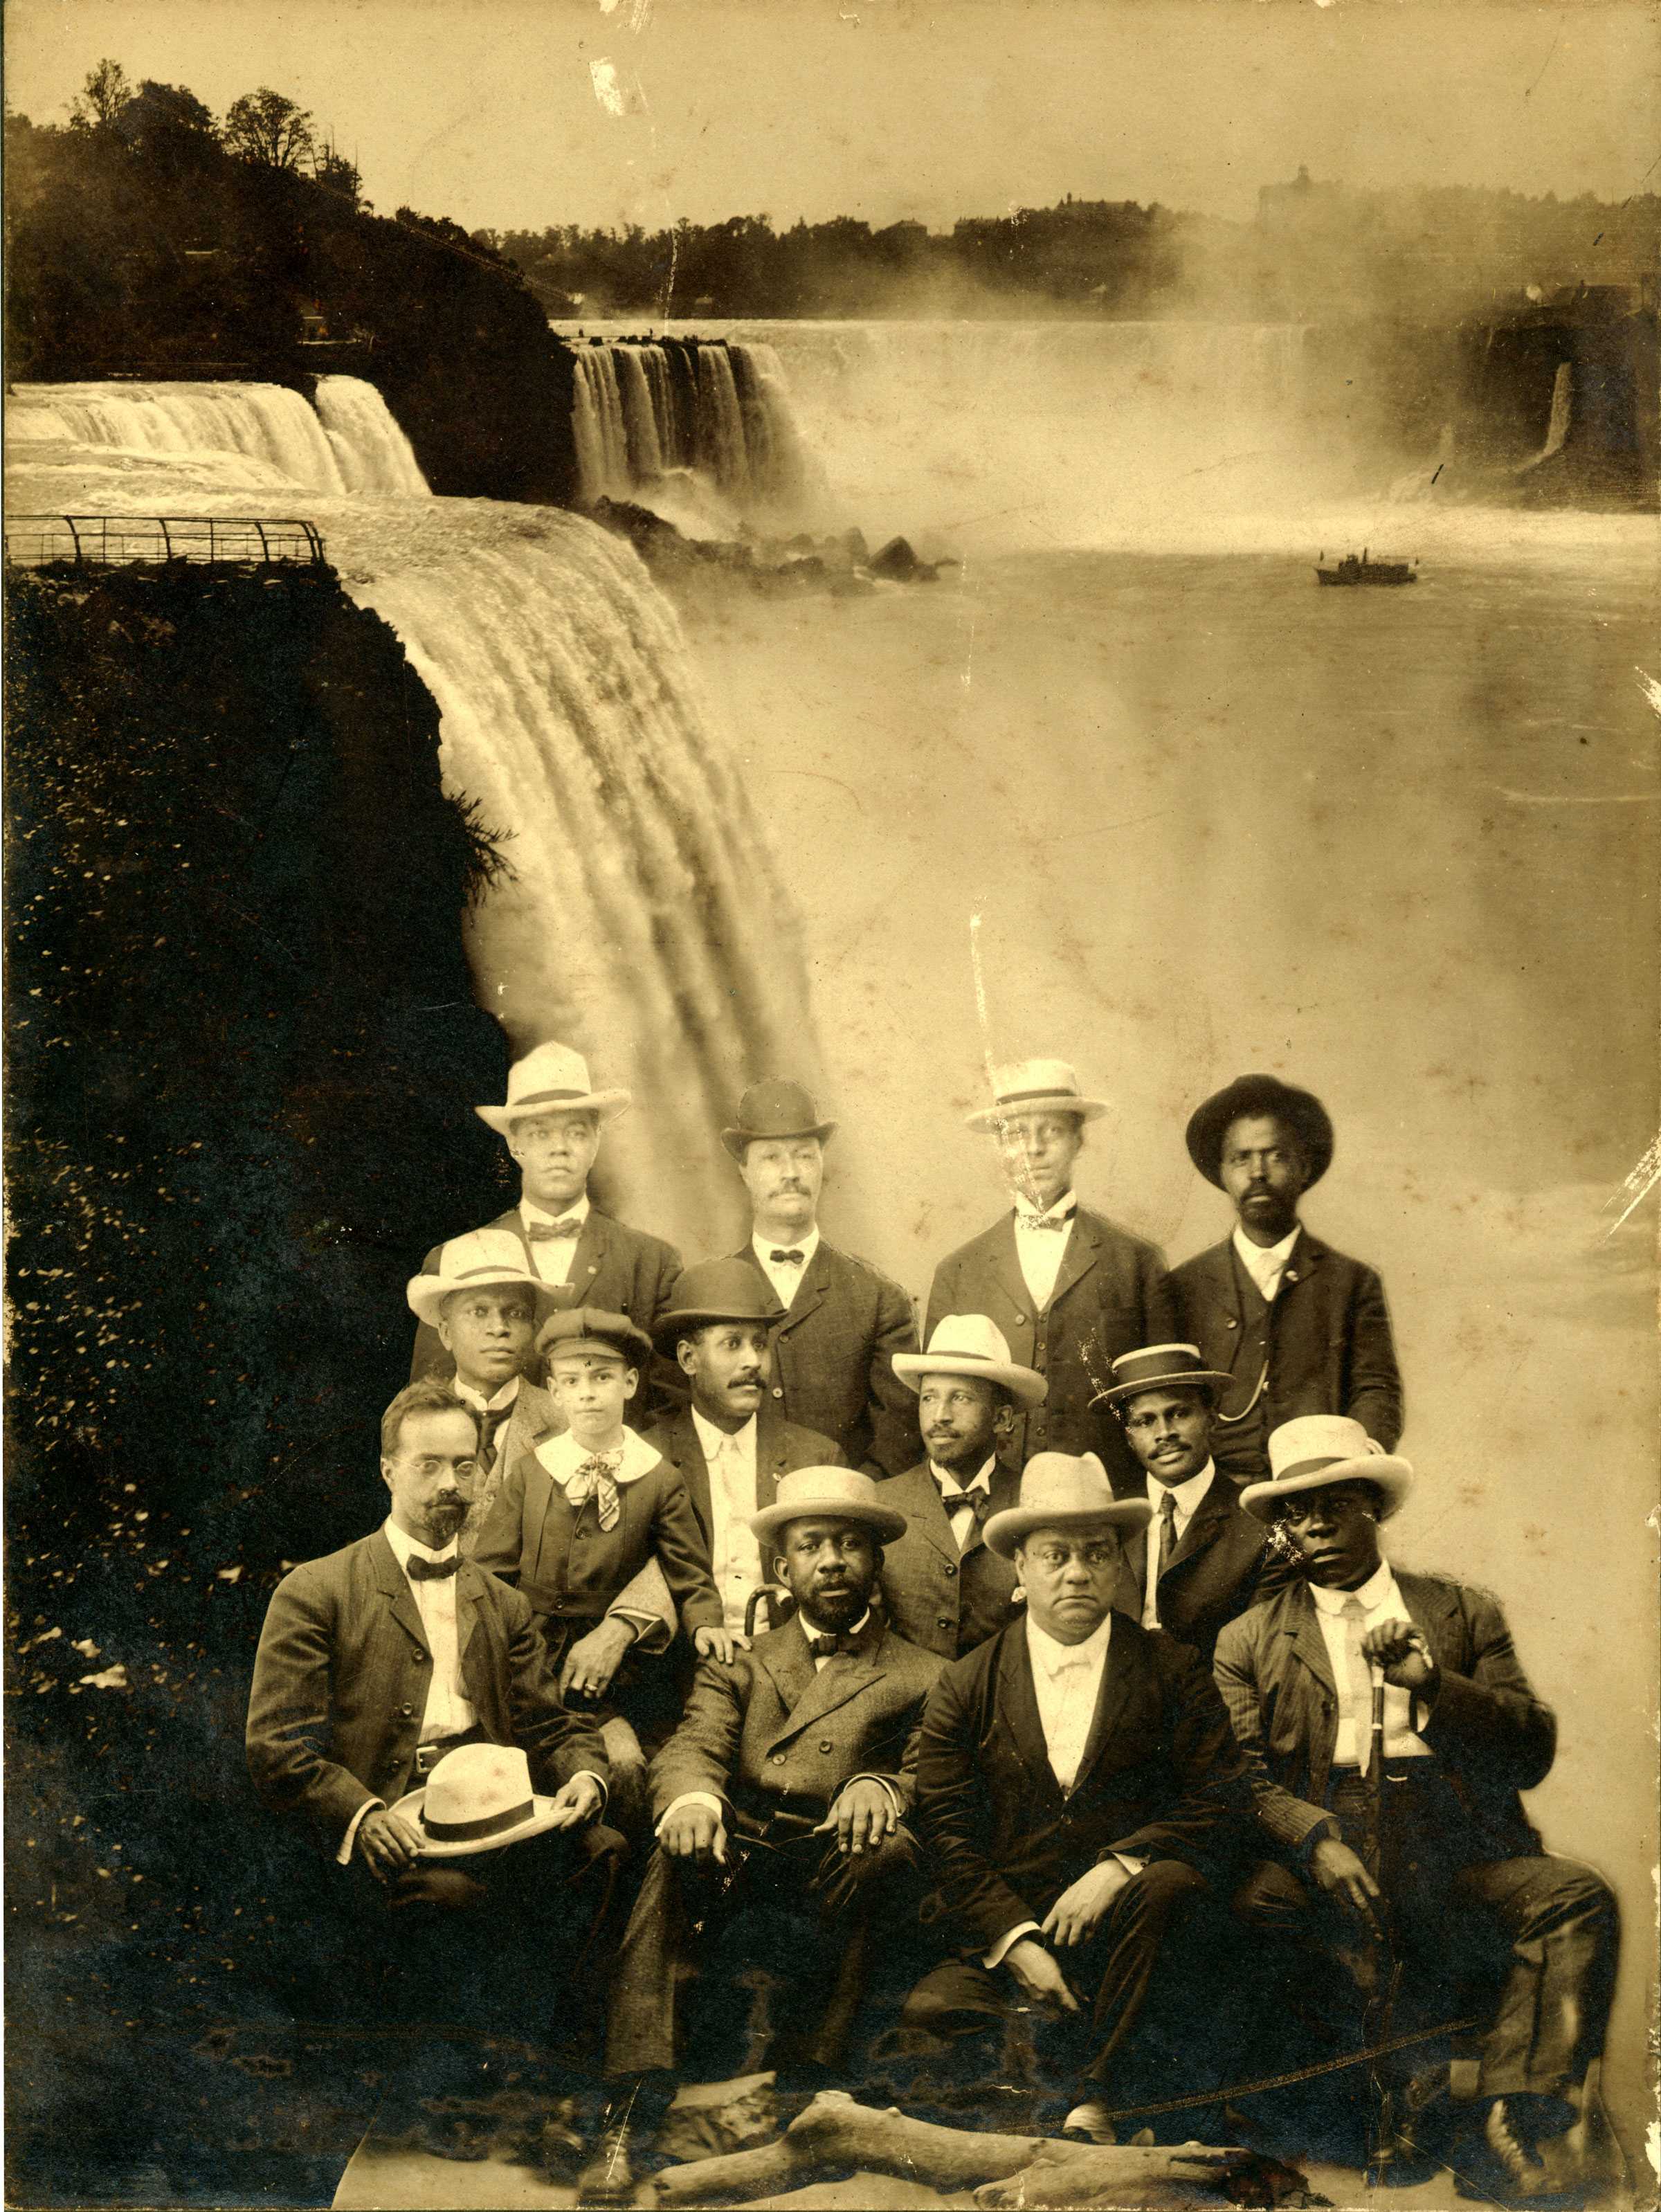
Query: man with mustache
x=379 y=1660
x=1297 y=1327
x=779 y=1803
x=833 y=1351
x=1445 y=1879
x=1068 y=1289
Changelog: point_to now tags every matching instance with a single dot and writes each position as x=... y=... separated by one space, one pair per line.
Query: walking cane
x=1386 y=2147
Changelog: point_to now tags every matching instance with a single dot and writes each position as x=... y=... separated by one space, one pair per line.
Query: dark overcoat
x=1218 y=1569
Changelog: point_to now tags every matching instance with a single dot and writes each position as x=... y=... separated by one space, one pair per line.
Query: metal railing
x=113 y=541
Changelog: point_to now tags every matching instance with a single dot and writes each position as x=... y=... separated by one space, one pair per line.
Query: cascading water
x=692 y=427
x=260 y=434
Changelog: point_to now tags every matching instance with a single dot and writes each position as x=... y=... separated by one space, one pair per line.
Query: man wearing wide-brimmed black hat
x=833 y=1350
x=1297 y=1327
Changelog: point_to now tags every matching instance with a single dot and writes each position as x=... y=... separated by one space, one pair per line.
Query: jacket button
x=778 y=1759
x=777 y=1392
x=1231 y=1324
x=1020 y=1317
x=943 y=1622
x=408 y=1711
x=951 y=1570
x=827 y=1745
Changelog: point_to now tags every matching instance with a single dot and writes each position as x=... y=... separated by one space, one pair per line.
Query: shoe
x=609 y=2177
x=1088 y=2122
x=1499 y=2165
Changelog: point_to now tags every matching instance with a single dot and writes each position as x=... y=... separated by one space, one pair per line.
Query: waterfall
x=261 y=434
x=698 y=428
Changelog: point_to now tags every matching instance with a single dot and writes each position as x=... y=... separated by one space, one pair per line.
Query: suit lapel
x=829 y=1686
x=467 y=1595
x=1005 y=1258
x=1306 y=1256
x=1017 y=1708
x=687 y=1451
x=1211 y=1517
x=395 y=1585
x=1127 y=1658
x=589 y=1258
x=1307 y=1642
x=815 y=1283
x=925 y=1512
x=789 y=1667
x=1079 y=1257
x=772 y=1455
x=1430 y=1606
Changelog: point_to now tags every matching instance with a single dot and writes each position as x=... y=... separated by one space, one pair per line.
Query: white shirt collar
x=711 y=1438
x=505 y=1396
x=561 y=1456
x=1065 y=1206
x=981 y=1482
x=1265 y=1263
x=403 y=1545
x=1375 y=1591
x=853 y=1628
x=1051 y=1657
x=1187 y=1494
x=764 y=1246
x=577 y=1211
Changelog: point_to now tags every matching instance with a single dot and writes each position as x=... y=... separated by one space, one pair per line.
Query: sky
x=519 y=114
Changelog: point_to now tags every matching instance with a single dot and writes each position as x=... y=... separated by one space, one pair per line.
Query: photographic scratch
x=819 y=775
x=1573 y=798
x=1650 y=688
x=608 y=91
x=1556 y=42
x=1639 y=1183
x=979 y=1000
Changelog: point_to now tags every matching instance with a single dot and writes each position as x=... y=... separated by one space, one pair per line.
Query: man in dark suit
x=843 y=1321
x=382 y=1659
x=1076 y=1780
x=943 y=1585
x=1298 y=1327
x=1444 y=1880
x=780 y=1804
x=1068 y=1289
x=1201 y=1559
x=551 y=1125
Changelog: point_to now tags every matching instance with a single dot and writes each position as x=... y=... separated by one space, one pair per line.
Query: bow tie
x=791 y=1259
x=1056 y=1221
x=431 y=1571
x=979 y=1503
x=596 y=1479
x=828 y=1645
x=544 y=1232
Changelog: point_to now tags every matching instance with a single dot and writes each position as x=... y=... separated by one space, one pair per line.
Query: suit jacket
x=1161 y=1779
x=1491 y=1733
x=781 y=1449
x=572 y=1569
x=617 y=1268
x=1329 y=1343
x=341 y=1677
x=533 y=1419
x=771 y=1733
x=947 y=1602
x=1218 y=1571
x=1110 y=1298
x=833 y=1360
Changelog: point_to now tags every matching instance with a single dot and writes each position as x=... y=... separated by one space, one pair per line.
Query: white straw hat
x=552 y=1078
x=1319 y=1449
x=1034 y=1086
x=482 y=1259
x=829 y=1493
x=477 y=1798
x=969 y=1344
x=1060 y=1491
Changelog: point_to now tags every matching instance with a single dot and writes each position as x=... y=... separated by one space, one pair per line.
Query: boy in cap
x=833 y=1350
x=1069 y=1289
x=581 y=1514
x=779 y=1801
x=1399 y=1837
x=551 y=1124
x=1297 y=1327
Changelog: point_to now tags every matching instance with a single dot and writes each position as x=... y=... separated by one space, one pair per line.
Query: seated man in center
x=779 y=1803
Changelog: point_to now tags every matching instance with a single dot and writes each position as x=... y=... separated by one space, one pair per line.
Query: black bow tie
x=544 y=1232
x=788 y=1259
x=431 y=1571
x=827 y=1646
x=979 y=1503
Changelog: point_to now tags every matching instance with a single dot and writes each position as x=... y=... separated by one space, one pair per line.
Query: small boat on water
x=1354 y=570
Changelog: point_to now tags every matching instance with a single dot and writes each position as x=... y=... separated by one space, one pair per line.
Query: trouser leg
x=1559 y=1925
x=1159 y=2027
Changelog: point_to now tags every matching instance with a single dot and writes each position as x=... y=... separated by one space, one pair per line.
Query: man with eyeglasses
x=1077 y=1783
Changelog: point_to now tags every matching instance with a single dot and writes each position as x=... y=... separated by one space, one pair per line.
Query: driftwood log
x=835 y=2137
x=1061 y=2175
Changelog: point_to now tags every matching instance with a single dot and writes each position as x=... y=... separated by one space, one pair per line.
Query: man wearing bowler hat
x=780 y=1804
x=1395 y=1832
x=943 y=1585
x=1069 y=1289
x=1076 y=1783
x=551 y=1124
x=406 y=1715
x=1201 y=1559
x=833 y=1350
x=1298 y=1327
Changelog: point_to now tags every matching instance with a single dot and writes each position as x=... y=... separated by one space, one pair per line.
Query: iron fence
x=111 y=541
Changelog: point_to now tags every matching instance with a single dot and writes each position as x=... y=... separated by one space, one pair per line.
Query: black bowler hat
x=1252 y=1095
x=716 y=1290
x=775 y=1109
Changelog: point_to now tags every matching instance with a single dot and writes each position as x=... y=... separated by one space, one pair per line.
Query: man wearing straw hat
x=1201 y=1560
x=1076 y=1784
x=779 y=1803
x=943 y=1584
x=551 y=1124
x=1068 y=1289
x=1298 y=1327
x=1397 y=1818
x=843 y=1323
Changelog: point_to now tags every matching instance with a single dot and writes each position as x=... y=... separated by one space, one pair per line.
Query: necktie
x=1168 y=1546
x=788 y=1259
x=827 y=1646
x=490 y=1425
x=1356 y=1692
x=595 y=1478
x=431 y=1571
x=543 y=1232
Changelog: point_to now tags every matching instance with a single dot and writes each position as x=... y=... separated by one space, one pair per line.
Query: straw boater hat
x=1301 y=1110
x=552 y=1078
x=1159 y=1367
x=483 y=1259
x=716 y=1290
x=589 y=1328
x=829 y=1493
x=1034 y=1086
x=1060 y=1491
x=1319 y=1449
x=775 y=1109
x=477 y=1798
x=969 y=1344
